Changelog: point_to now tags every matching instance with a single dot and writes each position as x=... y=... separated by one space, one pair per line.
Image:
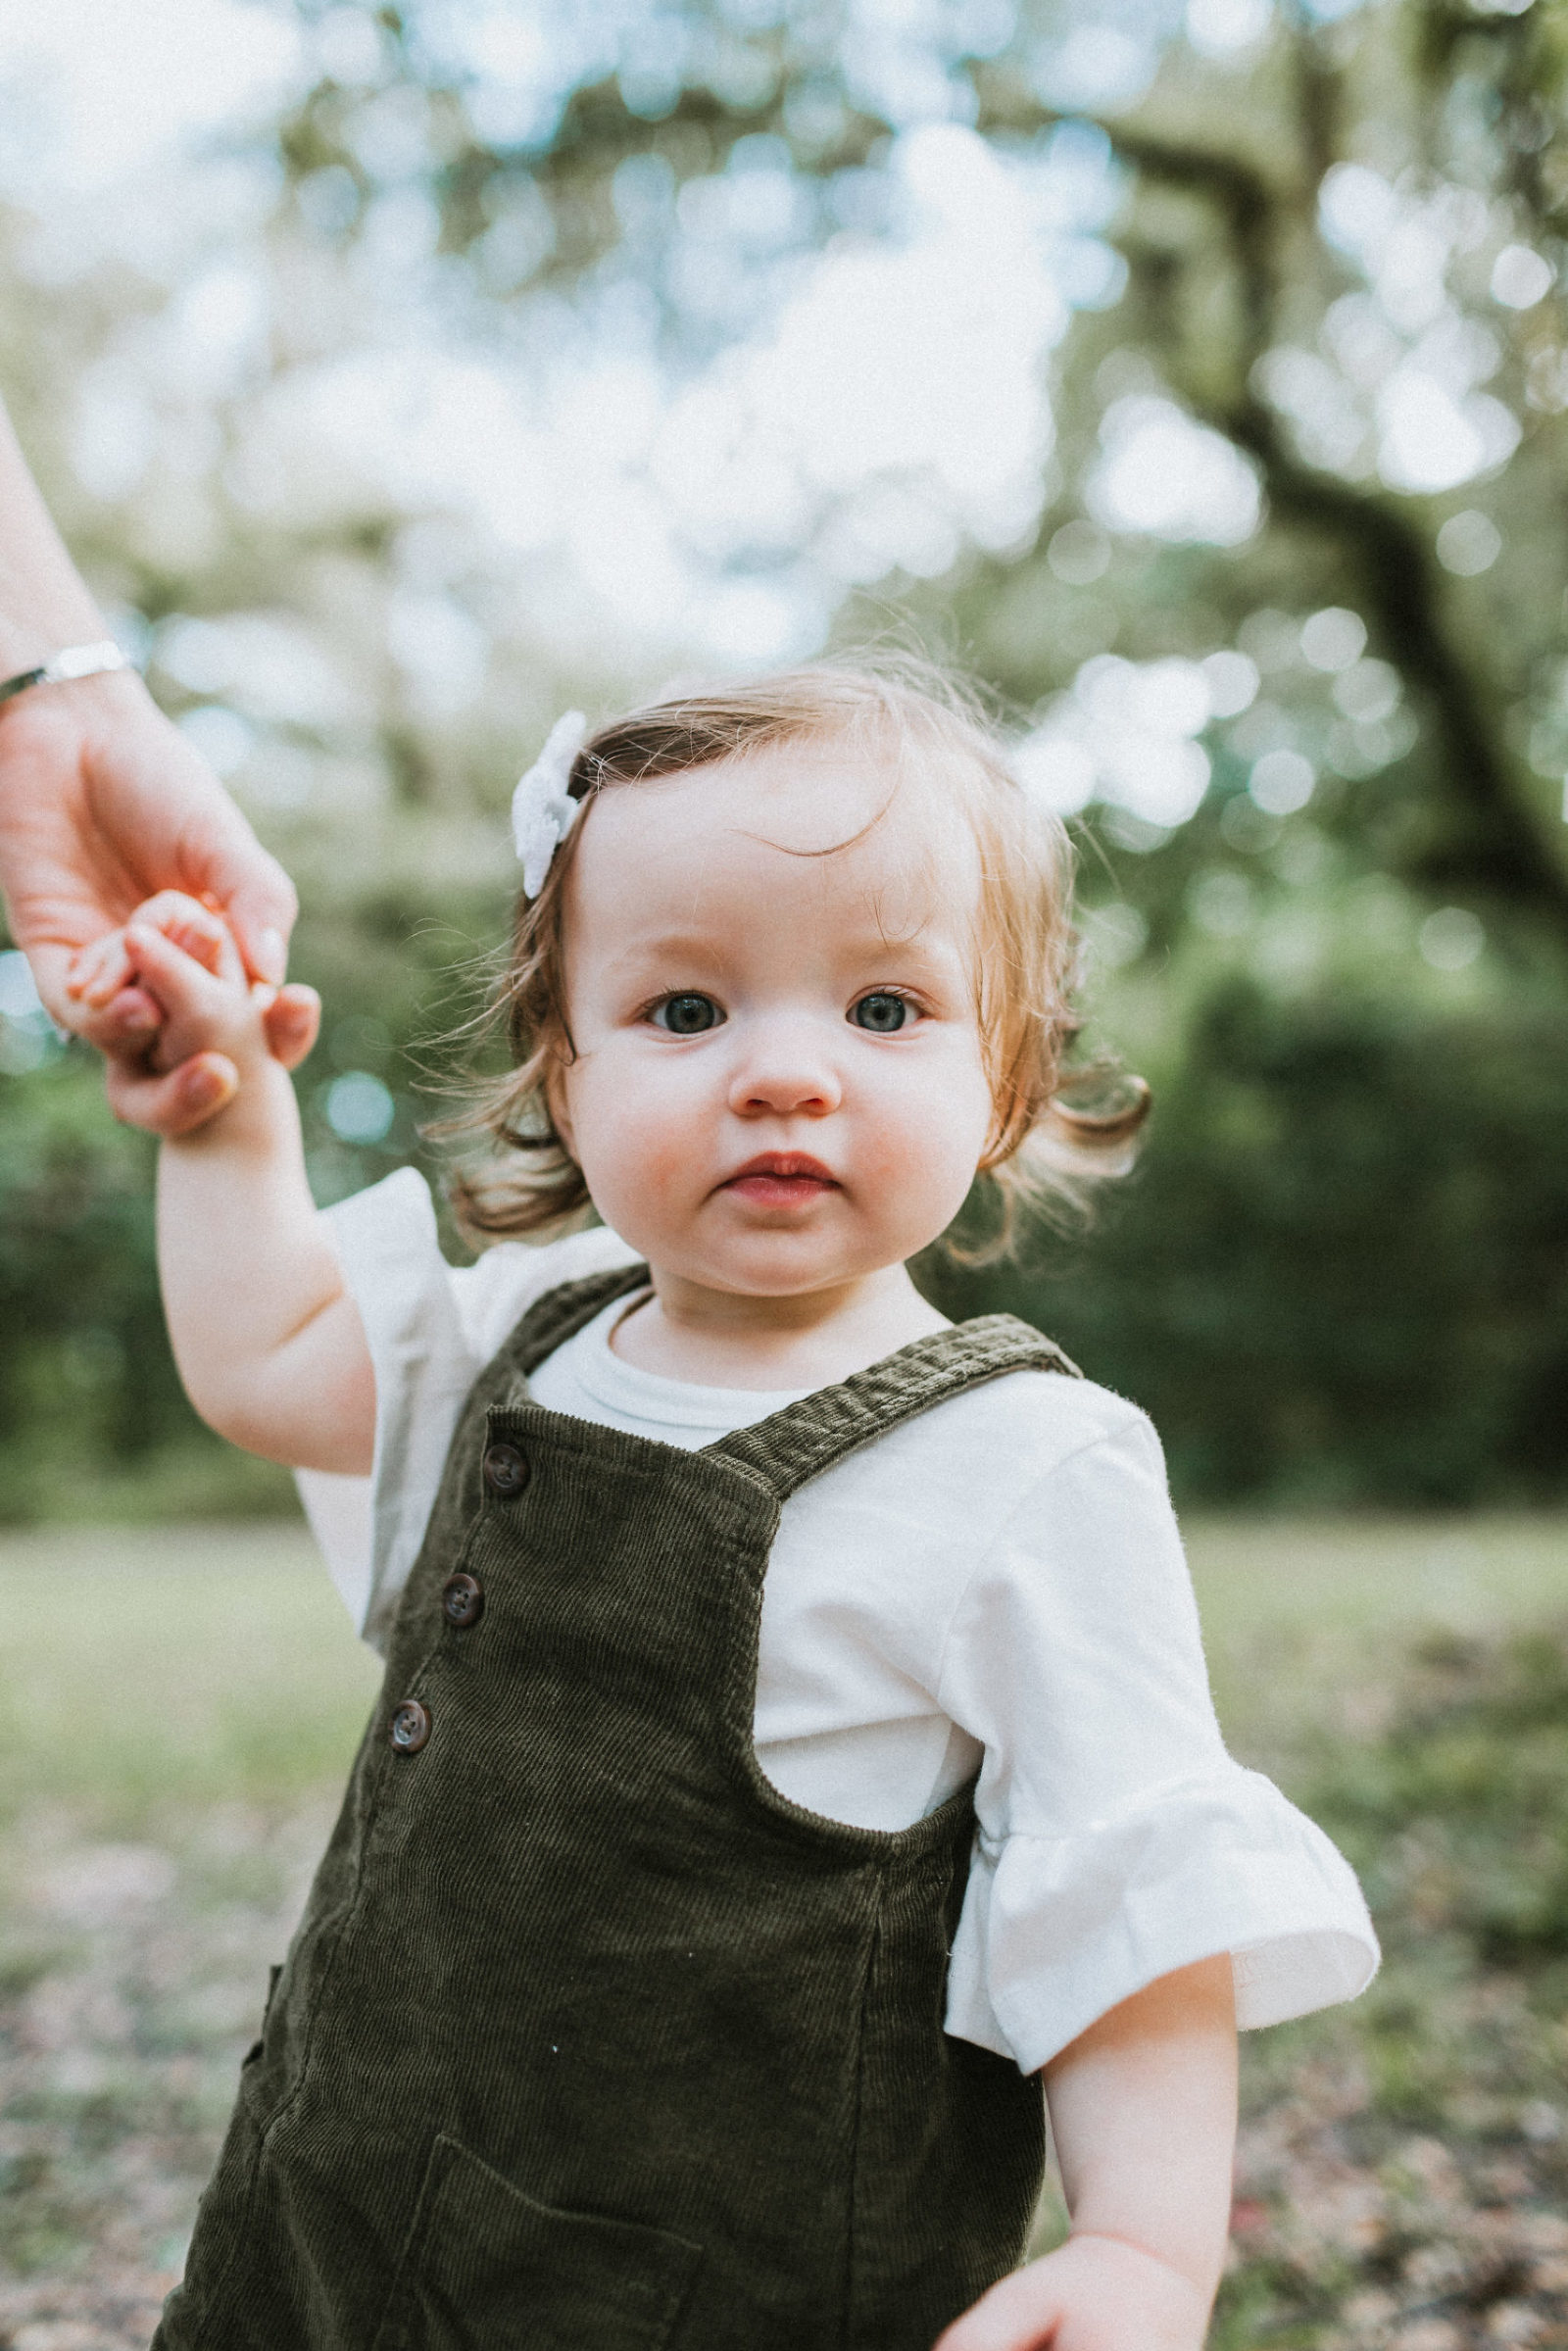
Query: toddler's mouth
x=781 y=1180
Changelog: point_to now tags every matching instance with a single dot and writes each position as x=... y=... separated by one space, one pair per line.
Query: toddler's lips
x=781 y=1180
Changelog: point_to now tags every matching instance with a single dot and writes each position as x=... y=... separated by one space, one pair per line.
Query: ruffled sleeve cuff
x=1055 y=1930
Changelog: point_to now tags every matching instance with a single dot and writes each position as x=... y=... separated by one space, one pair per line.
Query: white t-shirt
x=996 y=1585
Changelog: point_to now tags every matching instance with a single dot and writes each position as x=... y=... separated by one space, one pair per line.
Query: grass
x=217 y=1663
x=156 y=1666
x=1304 y=1621
x=182 y=1703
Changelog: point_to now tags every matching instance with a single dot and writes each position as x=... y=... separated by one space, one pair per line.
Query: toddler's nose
x=785 y=1070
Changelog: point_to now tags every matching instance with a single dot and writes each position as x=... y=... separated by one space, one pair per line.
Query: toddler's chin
x=776 y=1265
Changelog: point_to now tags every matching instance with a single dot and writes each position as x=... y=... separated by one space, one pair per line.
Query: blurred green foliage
x=1339 y=1273
x=1338 y=1276
x=93 y=1422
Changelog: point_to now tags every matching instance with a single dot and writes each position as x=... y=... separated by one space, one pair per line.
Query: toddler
x=796 y=1743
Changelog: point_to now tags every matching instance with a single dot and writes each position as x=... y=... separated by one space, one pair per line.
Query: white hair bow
x=543 y=811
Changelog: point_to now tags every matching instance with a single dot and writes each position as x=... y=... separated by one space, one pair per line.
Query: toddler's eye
x=686 y=1015
x=881 y=1013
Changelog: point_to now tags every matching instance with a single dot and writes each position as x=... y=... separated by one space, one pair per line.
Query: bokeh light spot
x=1451 y=938
x=1334 y=639
x=1079 y=554
x=1521 y=278
x=359 y=1107
x=1469 y=544
x=1281 y=782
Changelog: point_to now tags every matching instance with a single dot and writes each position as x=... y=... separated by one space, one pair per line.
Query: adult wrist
x=111 y=696
x=67 y=665
x=67 y=618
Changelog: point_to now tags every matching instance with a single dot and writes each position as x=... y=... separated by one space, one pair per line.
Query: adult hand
x=109 y=981
x=103 y=802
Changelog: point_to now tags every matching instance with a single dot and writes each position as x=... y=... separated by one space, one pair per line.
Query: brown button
x=463 y=1601
x=506 y=1470
x=411 y=1727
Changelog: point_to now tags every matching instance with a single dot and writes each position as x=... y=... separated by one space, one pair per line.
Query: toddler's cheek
x=657 y=1174
x=645 y=1177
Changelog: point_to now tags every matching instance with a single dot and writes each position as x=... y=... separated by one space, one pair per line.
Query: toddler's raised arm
x=270 y=1345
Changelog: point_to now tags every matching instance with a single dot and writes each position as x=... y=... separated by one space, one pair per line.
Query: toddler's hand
x=173 y=975
x=1093 y=2294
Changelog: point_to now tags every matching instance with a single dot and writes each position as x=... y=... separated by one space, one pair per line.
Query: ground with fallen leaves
x=130 y=1983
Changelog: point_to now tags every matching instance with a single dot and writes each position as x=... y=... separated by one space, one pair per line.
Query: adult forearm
x=266 y=1340
x=1142 y=2109
x=103 y=802
x=44 y=602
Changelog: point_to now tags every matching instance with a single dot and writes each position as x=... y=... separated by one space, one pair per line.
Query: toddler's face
x=779 y=1083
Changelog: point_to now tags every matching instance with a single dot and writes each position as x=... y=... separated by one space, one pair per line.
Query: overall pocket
x=488 y=2267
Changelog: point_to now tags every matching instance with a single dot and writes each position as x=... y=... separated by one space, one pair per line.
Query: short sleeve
x=431 y=1328
x=1118 y=1840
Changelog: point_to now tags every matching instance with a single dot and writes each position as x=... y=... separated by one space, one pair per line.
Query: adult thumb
x=174 y=1101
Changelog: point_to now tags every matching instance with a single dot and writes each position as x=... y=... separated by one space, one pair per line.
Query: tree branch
x=1499 y=847
x=1497 y=843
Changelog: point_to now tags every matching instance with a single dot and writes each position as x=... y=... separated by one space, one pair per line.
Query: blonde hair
x=1041 y=1149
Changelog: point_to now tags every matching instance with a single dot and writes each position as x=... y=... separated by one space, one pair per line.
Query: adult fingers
x=52 y=967
x=174 y=1101
x=293 y=1022
x=257 y=896
x=133 y=1015
x=161 y=807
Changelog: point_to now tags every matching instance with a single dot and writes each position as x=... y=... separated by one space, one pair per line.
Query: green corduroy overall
x=589 y=2040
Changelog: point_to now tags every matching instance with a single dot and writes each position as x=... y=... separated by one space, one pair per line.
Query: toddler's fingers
x=84 y=965
x=175 y=1101
x=1009 y=2317
x=177 y=980
x=190 y=925
x=99 y=971
x=293 y=1022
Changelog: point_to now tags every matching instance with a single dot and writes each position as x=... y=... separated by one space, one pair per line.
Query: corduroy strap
x=806 y=1438
x=562 y=1314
